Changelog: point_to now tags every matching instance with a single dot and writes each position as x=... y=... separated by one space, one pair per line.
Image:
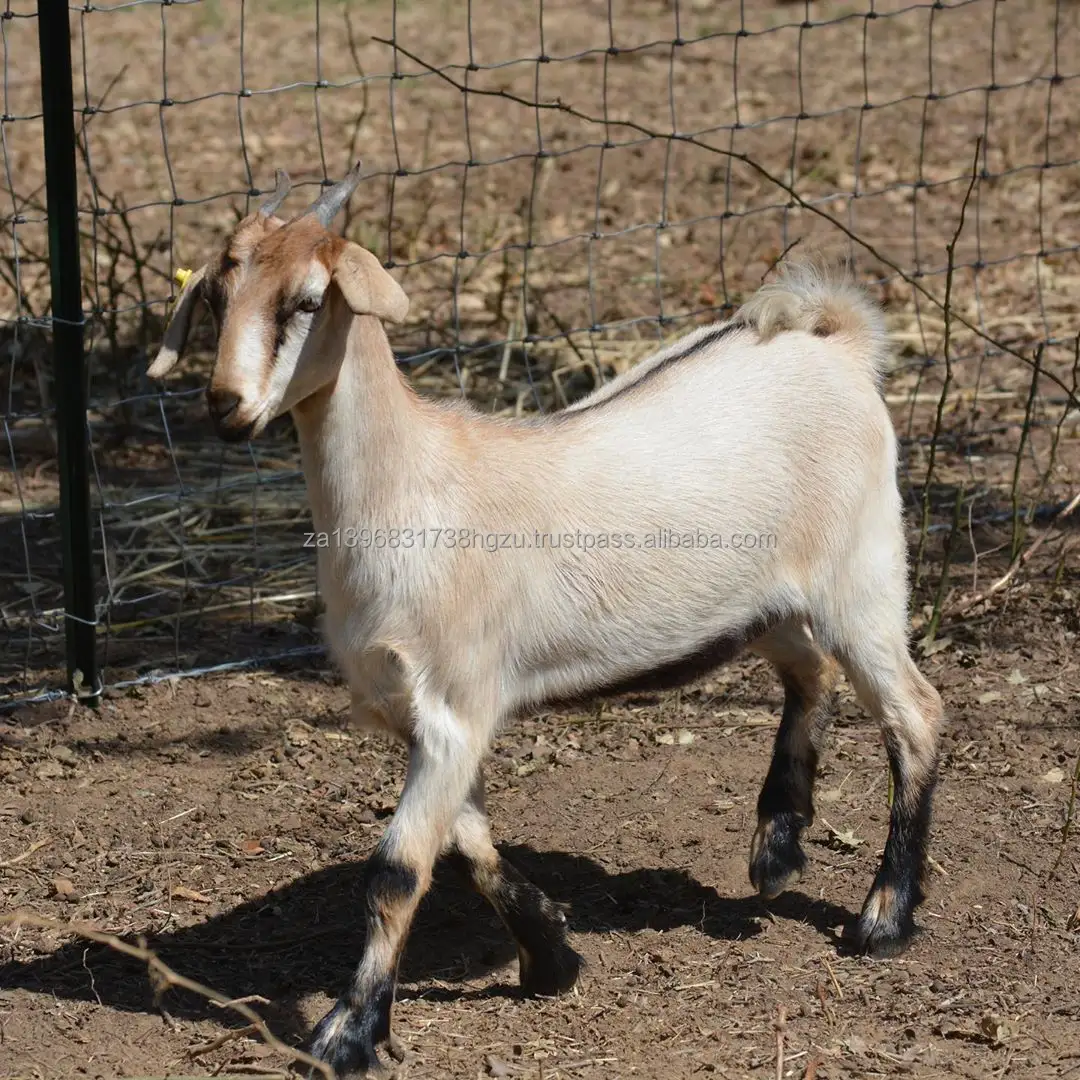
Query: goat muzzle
x=224 y=407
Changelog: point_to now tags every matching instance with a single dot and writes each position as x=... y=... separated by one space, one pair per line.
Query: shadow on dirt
x=307 y=936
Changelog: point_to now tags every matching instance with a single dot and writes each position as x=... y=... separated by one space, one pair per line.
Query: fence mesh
x=560 y=186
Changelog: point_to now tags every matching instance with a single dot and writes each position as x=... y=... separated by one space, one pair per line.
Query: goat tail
x=823 y=300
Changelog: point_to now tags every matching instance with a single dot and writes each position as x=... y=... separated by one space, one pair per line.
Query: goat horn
x=283 y=185
x=330 y=203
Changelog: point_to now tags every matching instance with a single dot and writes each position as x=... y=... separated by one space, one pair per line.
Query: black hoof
x=549 y=973
x=777 y=860
x=343 y=1039
x=881 y=931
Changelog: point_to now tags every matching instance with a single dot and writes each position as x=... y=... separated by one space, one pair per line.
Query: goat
x=771 y=422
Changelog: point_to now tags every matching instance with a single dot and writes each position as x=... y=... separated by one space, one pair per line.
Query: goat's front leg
x=443 y=761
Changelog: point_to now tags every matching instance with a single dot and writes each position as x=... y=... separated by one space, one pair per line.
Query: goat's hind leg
x=910 y=713
x=785 y=805
x=548 y=965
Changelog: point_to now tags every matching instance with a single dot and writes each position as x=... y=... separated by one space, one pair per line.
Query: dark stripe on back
x=691 y=349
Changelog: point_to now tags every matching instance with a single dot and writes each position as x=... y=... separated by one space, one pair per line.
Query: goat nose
x=222 y=403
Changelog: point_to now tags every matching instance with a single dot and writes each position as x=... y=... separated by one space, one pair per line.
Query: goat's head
x=279 y=292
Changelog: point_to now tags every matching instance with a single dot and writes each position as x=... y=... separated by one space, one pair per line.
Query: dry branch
x=1066 y=829
x=162 y=978
x=946 y=385
x=966 y=605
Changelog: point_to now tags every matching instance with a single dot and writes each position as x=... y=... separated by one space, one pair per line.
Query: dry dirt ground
x=226 y=820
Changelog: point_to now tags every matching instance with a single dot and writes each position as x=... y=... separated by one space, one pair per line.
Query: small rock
x=64 y=754
x=495 y=1067
x=182 y=892
x=29 y=816
x=49 y=770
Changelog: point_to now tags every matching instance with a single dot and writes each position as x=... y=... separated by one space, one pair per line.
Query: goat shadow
x=307 y=936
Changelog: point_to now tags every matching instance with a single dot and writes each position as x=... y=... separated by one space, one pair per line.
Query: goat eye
x=309 y=304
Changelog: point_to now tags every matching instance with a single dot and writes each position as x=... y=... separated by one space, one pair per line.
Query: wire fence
x=560 y=186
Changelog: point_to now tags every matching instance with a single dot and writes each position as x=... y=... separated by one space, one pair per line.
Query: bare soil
x=226 y=820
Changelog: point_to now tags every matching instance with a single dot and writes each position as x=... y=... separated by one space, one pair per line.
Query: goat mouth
x=234 y=433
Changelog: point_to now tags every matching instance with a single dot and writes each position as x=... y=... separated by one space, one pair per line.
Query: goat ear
x=367 y=287
x=172 y=344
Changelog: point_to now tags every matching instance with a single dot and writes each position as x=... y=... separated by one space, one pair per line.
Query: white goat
x=770 y=424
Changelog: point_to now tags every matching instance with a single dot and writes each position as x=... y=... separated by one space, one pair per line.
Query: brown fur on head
x=274 y=290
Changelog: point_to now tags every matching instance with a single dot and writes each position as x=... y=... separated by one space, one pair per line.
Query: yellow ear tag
x=181 y=276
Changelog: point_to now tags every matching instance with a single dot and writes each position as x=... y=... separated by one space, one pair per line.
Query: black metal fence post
x=69 y=361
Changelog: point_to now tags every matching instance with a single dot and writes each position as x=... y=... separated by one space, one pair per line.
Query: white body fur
x=785 y=436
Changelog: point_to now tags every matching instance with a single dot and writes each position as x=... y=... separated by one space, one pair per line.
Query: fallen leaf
x=1015 y=678
x=990 y=695
x=298 y=733
x=64 y=888
x=932 y=648
x=498 y=1068
x=684 y=737
x=251 y=847
x=1074 y=920
x=995 y=1027
x=182 y=892
x=845 y=838
x=1054 y=776
x=664 y=738
x=855 y=1044
x=50 y=770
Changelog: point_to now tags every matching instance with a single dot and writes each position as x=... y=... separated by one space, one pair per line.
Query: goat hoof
x=343 y=1039
x=777 y=860
x=885 y=928
x=395 y=1048
x=551 y=973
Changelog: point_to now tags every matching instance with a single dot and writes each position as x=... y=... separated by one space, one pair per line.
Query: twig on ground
x=1066 y=829
x=162 y=978
x=1018 y=563
x=221 y=1040
x=37 y=845
x=780 y=1026
x=832 y=977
